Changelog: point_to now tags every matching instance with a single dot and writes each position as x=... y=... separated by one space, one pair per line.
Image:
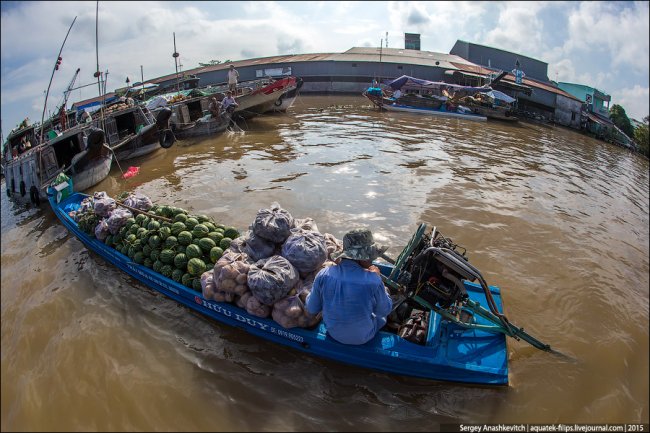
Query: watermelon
x=215 y=254
x=129 y=222
x=139 y=218
x=225 y=243
x=142 y=232
x=196 y=267
x=155 y=241
x=177 y=275
x=181 y=217
x=230 y=232
x=180 y=261
x=196 y=284
x=125 y=249
x=138 y=258
x=178 y=227
x=165 y=232
x=185 y=238
x=155 y=255
x=146 y=251
x=207 y=244
x=215 y=236
x=186 y=279
x=191 y=222
x=171 y=242
x=145 y=222
x=148 y=263
x=131 y=252
x=200 y=231
x=153 y=225
x=167 y=256
x=193 y=251
x=167 y=270
x=157 y=265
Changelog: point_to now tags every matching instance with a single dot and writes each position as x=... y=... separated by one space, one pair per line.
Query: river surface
x=556 y=219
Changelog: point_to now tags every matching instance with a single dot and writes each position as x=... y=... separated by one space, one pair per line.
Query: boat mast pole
x=97 y=73
x=175 y=56
x=56 y=66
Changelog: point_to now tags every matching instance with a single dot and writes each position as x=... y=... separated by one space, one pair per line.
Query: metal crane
x=66 y=93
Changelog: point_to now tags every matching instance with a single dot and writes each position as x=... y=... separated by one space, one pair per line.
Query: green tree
x=642 y=137
x=210 y=63
x=619 y=117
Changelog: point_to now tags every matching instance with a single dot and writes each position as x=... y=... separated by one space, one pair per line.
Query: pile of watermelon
x=181 y=249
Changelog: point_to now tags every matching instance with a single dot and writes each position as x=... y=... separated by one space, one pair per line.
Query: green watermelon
x=185 y=238
x=167 y=256
x=155 y=241
x=225 y=243
x=186 y=279
x=146 y=250
x=158 y=265
x=196 y=284
x=139 y=218
x=230 y=232
x=171 y=242
x=178 y=227
x=207 y=244
x=196 y=267
x=215 y=254
x=167 y=271
x=193 y=251
x=215 y=236
x=181 y=217
x=153 y=225
x=180 y=261
x=138 y=258
x=165 y=232
x=191 y=222
x=177 y=275
x=148 y=263
x=155 y=255
x=200 y=231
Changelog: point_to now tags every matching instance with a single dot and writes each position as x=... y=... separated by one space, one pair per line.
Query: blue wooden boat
x=451 y=352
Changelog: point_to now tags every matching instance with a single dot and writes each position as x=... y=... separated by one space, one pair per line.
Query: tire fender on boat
x=13 y=185
x=166 y=138
x=95 y=138
x=162 y=118
x=23 y=191
x=280 y=100
x=34 y=196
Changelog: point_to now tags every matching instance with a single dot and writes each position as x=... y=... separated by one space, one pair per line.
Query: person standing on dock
x=233 y=77
x=351 y=295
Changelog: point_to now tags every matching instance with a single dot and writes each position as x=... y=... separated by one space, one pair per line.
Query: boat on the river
x=414 y=95
x=440 y=329
x=80 y=152
x=191 y=117
x=132 y=130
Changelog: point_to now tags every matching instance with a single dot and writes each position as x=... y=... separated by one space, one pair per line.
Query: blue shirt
x=353 y=301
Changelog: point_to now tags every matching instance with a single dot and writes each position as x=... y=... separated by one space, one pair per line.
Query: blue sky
x=601 y=44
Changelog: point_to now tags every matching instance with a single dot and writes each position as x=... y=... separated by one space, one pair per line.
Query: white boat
x=80 y=152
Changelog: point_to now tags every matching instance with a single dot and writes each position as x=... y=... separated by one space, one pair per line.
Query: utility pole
x=175 y=56
x=142 y=79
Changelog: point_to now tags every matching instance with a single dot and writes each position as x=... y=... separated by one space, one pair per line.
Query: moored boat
x=448 y=351
x=80 y=152
x=131 y=130
x=286 y=100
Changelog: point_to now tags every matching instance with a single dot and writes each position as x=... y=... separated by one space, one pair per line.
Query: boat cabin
x=123 y=123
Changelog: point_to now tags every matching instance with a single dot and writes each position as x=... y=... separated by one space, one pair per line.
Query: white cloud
x=634 y=100
x=518 y=29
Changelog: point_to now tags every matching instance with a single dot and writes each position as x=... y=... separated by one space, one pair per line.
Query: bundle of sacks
x=270 y=269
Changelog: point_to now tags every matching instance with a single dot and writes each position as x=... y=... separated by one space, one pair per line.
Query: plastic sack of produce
x=243 y=299
x=138 y=201
x=255 y=247
x=231 y=276
x=117 y=220
x=255 y=307
x=103 y=204
x=333 y=245
x=306 y=250
x=209 y=290
x=273 y=224
x=101 y=230
x=305 y=224
x=271 y=279
x=290 y=312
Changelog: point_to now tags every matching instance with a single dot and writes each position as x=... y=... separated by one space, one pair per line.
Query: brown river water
x=556 y=219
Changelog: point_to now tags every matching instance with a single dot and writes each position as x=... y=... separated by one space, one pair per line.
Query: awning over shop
x=599 y=120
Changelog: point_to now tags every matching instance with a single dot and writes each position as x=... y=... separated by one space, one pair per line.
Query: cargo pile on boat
x=268 y=270
x=166 y=239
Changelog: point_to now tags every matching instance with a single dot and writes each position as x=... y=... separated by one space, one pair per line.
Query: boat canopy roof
x=500 y=96
x=405 y=80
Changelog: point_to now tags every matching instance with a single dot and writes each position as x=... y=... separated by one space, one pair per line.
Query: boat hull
x=450 y=354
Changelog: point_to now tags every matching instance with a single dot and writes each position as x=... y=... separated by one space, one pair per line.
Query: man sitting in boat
x=229 y=103
x=351 y=295
x=214 y=107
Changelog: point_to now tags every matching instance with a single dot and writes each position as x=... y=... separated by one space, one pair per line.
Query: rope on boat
x=150 y=215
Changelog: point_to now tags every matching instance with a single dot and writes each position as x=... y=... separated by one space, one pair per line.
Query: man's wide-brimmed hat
x=359 y=244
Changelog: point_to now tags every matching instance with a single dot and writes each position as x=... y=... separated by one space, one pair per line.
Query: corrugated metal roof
x=476 y=69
